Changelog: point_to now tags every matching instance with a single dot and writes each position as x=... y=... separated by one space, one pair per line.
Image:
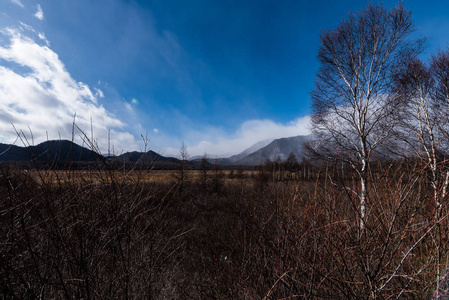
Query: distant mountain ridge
x=266 y=150
x=248 y=151
x=49 y=151
x=147 y=157
x=277 y=149
x=64 y=151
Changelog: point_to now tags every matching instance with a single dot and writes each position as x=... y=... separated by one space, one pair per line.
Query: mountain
x=250 y=150
x=63 y=151
x=50 y=151
x=234 y=158
x=149 y=156
x=264 y=151
x=59 y=153
x=279 y=148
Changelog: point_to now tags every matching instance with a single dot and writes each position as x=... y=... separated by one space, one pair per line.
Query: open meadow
x=133 y=176
x=137 y=234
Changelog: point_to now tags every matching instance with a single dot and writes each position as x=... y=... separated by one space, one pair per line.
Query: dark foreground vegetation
x=115 y=235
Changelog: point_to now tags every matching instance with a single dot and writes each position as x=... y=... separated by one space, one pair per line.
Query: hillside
x=50 y=151
x=279 y=148
x=248 y=151
x=147 y=157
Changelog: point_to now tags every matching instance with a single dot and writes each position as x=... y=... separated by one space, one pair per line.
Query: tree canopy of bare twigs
x=354 y=112
x=424 y=89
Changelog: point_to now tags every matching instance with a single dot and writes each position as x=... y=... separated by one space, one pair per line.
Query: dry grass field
x=133 y=176
x=111 y=234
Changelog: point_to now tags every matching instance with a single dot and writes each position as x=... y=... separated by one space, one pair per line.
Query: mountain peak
x=277 y=149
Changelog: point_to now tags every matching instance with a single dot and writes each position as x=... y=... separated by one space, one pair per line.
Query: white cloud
x=99 y=93
x=128 y=107
x=17 y=2
x=25 y=27
x=155 y=130
x=215 y=142
x=36 y=91
x=40 y=13
x=42 y=37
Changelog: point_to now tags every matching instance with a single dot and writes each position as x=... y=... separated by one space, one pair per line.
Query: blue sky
x=218 y=75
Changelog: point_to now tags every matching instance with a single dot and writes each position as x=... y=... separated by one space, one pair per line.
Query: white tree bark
x=354 y=111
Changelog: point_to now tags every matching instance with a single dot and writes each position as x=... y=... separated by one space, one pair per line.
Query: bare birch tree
x=425 y=90
x=421 y=118
x=354 y=112
x=439 y=69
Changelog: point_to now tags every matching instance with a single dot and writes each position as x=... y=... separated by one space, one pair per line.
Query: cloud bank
x=214 y=142
x=37 y=93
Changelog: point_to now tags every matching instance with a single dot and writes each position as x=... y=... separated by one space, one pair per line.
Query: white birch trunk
x=363 y=193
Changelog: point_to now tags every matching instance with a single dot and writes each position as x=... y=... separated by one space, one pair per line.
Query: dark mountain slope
x=279 y=148
x=148 y=157
x=50 y=151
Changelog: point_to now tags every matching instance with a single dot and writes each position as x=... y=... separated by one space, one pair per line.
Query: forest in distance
x=364 y=215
